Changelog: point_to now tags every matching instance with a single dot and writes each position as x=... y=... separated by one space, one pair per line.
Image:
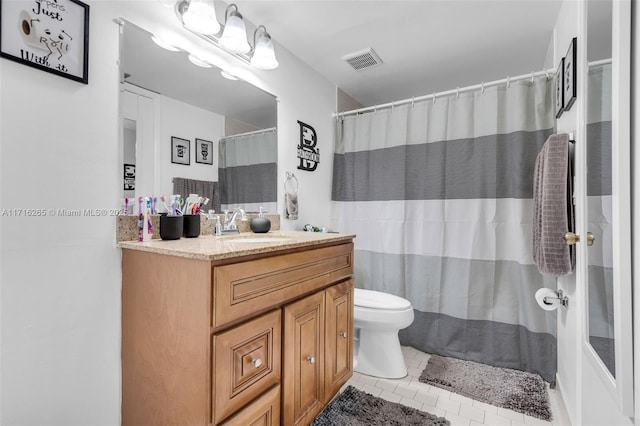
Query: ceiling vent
x=363 y=59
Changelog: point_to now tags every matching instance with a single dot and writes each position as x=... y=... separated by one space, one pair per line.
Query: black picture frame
x=180 y=151
x=52 y=36
x=570 y=73
x=204 y=151
x=559 y=89
x=129 y=177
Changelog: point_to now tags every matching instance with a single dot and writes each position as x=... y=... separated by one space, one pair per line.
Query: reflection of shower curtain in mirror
x=599 y=192
x=440 y=196
x=248 y=171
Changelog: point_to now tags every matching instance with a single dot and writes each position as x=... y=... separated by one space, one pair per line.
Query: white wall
x=187 y=122
x=60 y=276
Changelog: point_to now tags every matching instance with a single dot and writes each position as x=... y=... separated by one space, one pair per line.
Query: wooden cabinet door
x=303 y=354
x=339 y=337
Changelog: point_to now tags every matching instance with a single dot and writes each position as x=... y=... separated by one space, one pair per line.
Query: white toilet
x=377 y=319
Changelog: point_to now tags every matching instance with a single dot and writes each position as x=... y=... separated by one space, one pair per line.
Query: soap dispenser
x=260 y=224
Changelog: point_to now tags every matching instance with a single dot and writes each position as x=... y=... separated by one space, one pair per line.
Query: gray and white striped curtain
x=440 y=195
x=599 y=190
x=247 y=171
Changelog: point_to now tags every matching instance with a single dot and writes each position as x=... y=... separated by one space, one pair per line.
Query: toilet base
x=379 y=354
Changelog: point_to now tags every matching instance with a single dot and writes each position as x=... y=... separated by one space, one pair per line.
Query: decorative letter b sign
x=308 y=154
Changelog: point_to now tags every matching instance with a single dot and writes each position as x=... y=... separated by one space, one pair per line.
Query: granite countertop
x=208 y=247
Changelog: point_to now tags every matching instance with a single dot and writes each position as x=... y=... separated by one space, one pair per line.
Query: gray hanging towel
x=552 y=213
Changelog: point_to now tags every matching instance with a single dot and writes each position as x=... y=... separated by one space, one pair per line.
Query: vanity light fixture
x=199 y=16
x=234 y=35
x=263 y=56
x=199 y=62
x=164 y=44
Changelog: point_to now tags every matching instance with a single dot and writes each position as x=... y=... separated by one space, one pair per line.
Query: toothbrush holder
x=191 y=225
x=171 y=227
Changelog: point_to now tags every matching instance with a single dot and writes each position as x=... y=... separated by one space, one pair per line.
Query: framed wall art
x=570 y=72
x=204 y=151
x=180 y=151
x=52 y=36
x=129 y=177
x=559 y=89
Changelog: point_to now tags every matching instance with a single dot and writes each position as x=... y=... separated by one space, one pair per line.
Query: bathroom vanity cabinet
x=235 y=333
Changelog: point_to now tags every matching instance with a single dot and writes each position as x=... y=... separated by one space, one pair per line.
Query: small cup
x=191 y=225
x=171 y=227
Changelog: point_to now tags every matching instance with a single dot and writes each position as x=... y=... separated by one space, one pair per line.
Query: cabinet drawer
x=264 y=411
x=246 y=362
x=242 y=288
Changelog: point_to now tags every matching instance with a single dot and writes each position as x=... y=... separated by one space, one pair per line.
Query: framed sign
x=129 y=177
x=51 y=35
x=559 y=89
x=204 y=151
x=180 y=151
x=570 y=68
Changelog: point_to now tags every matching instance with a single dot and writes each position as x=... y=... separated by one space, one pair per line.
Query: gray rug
x=356 y=408
x=513 y=389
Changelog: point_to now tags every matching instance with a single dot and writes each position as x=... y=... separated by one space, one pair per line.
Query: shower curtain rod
x=481 y=86
x=255 y=132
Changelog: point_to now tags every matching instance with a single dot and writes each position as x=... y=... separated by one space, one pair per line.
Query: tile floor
x=459 y=410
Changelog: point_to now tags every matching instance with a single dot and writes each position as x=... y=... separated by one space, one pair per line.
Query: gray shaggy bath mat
x=513 y=389
x=356 y=408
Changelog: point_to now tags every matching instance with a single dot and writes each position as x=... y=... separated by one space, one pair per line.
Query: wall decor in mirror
x=167 y=93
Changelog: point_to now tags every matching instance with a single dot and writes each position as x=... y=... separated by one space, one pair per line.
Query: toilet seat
x=377 y=300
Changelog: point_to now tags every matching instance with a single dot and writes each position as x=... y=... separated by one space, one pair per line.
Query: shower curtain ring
x=482 y=88
x=434 y=98
x=413 y=99
x=546 y=74
x=532 y=76
x=457 y=92
x=508 y=82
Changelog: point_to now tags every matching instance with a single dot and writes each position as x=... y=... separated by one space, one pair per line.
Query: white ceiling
x=426 y=45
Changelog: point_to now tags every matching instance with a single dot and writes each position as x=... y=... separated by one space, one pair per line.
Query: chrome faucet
x=230 y=222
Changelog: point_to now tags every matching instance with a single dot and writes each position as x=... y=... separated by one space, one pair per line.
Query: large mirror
x=608 y=289
x=189 y=129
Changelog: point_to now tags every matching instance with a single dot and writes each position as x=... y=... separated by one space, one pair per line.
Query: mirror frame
x=620 y=386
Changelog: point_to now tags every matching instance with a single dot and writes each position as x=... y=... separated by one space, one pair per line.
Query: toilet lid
x=378 y=300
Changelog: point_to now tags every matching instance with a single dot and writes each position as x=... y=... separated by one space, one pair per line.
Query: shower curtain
x=440 y=196
x=247 y=171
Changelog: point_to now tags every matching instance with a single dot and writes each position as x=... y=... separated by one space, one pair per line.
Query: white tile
x=406 y=391
x=434 y=410
x=390 y=396
x=457 y=420
x=411 y=403
x=422 y=356
x=486 y=407
x=448 y=405
x=413 y=362
x=371 y=389
x=386 y=384
x=426 y=398
x=414 y=371
x=474 y=423
x=496 y=420
x=440 y=392
x=472 y=413
x=368 y=380
x=518 y=417
x=462 y=399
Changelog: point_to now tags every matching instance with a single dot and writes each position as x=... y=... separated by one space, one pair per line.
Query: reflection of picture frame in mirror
x=180 y=151
x=569 y=82
x=52 y=36
x=559 y=89
x=129 y=177
x=204 y=151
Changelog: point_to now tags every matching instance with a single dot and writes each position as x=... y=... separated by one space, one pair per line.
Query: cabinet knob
x=590 y=239
x=311 y=359
x=256 y=362
x=343 y=334
x=570 y=238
